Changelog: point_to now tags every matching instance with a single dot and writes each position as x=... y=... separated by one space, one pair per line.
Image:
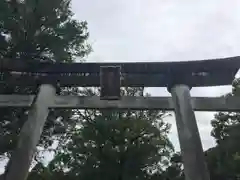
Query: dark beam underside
x=231 y=104
x=128 y=80
x=139 y=67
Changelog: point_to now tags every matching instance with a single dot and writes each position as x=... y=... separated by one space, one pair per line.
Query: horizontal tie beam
x=126 y=102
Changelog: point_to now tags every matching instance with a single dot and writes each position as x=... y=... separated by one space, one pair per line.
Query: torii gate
x=178 y=77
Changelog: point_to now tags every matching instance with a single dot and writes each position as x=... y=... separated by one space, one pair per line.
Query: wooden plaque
x=110 y=82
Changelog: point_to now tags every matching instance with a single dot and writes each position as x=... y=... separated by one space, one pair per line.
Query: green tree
x=37 y=30
x=120 y=145
x=172 y=172
x=223 y=160
x=41 y=29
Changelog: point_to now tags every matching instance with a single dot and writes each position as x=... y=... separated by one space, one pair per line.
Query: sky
x=164 y=30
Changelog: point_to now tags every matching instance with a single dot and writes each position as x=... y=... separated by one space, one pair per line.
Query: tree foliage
x=224 y=160
x=120 y=145
x=37 y=30
x=34 y=29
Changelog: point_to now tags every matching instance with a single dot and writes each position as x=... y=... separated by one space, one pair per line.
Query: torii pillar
x=195 y=167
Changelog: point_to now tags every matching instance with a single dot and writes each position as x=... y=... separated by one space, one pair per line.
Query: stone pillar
x=191 y=147
x=31 y=131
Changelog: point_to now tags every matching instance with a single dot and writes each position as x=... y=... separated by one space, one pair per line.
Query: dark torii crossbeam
x=179 y=77
x=142 y=74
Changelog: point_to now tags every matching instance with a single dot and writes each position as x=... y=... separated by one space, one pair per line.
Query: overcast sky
x=164 y=30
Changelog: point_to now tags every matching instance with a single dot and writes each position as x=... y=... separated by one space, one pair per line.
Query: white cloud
x=164 y=30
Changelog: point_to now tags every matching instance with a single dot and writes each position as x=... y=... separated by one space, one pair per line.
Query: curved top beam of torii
x=211 y=72
x=126 y=67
